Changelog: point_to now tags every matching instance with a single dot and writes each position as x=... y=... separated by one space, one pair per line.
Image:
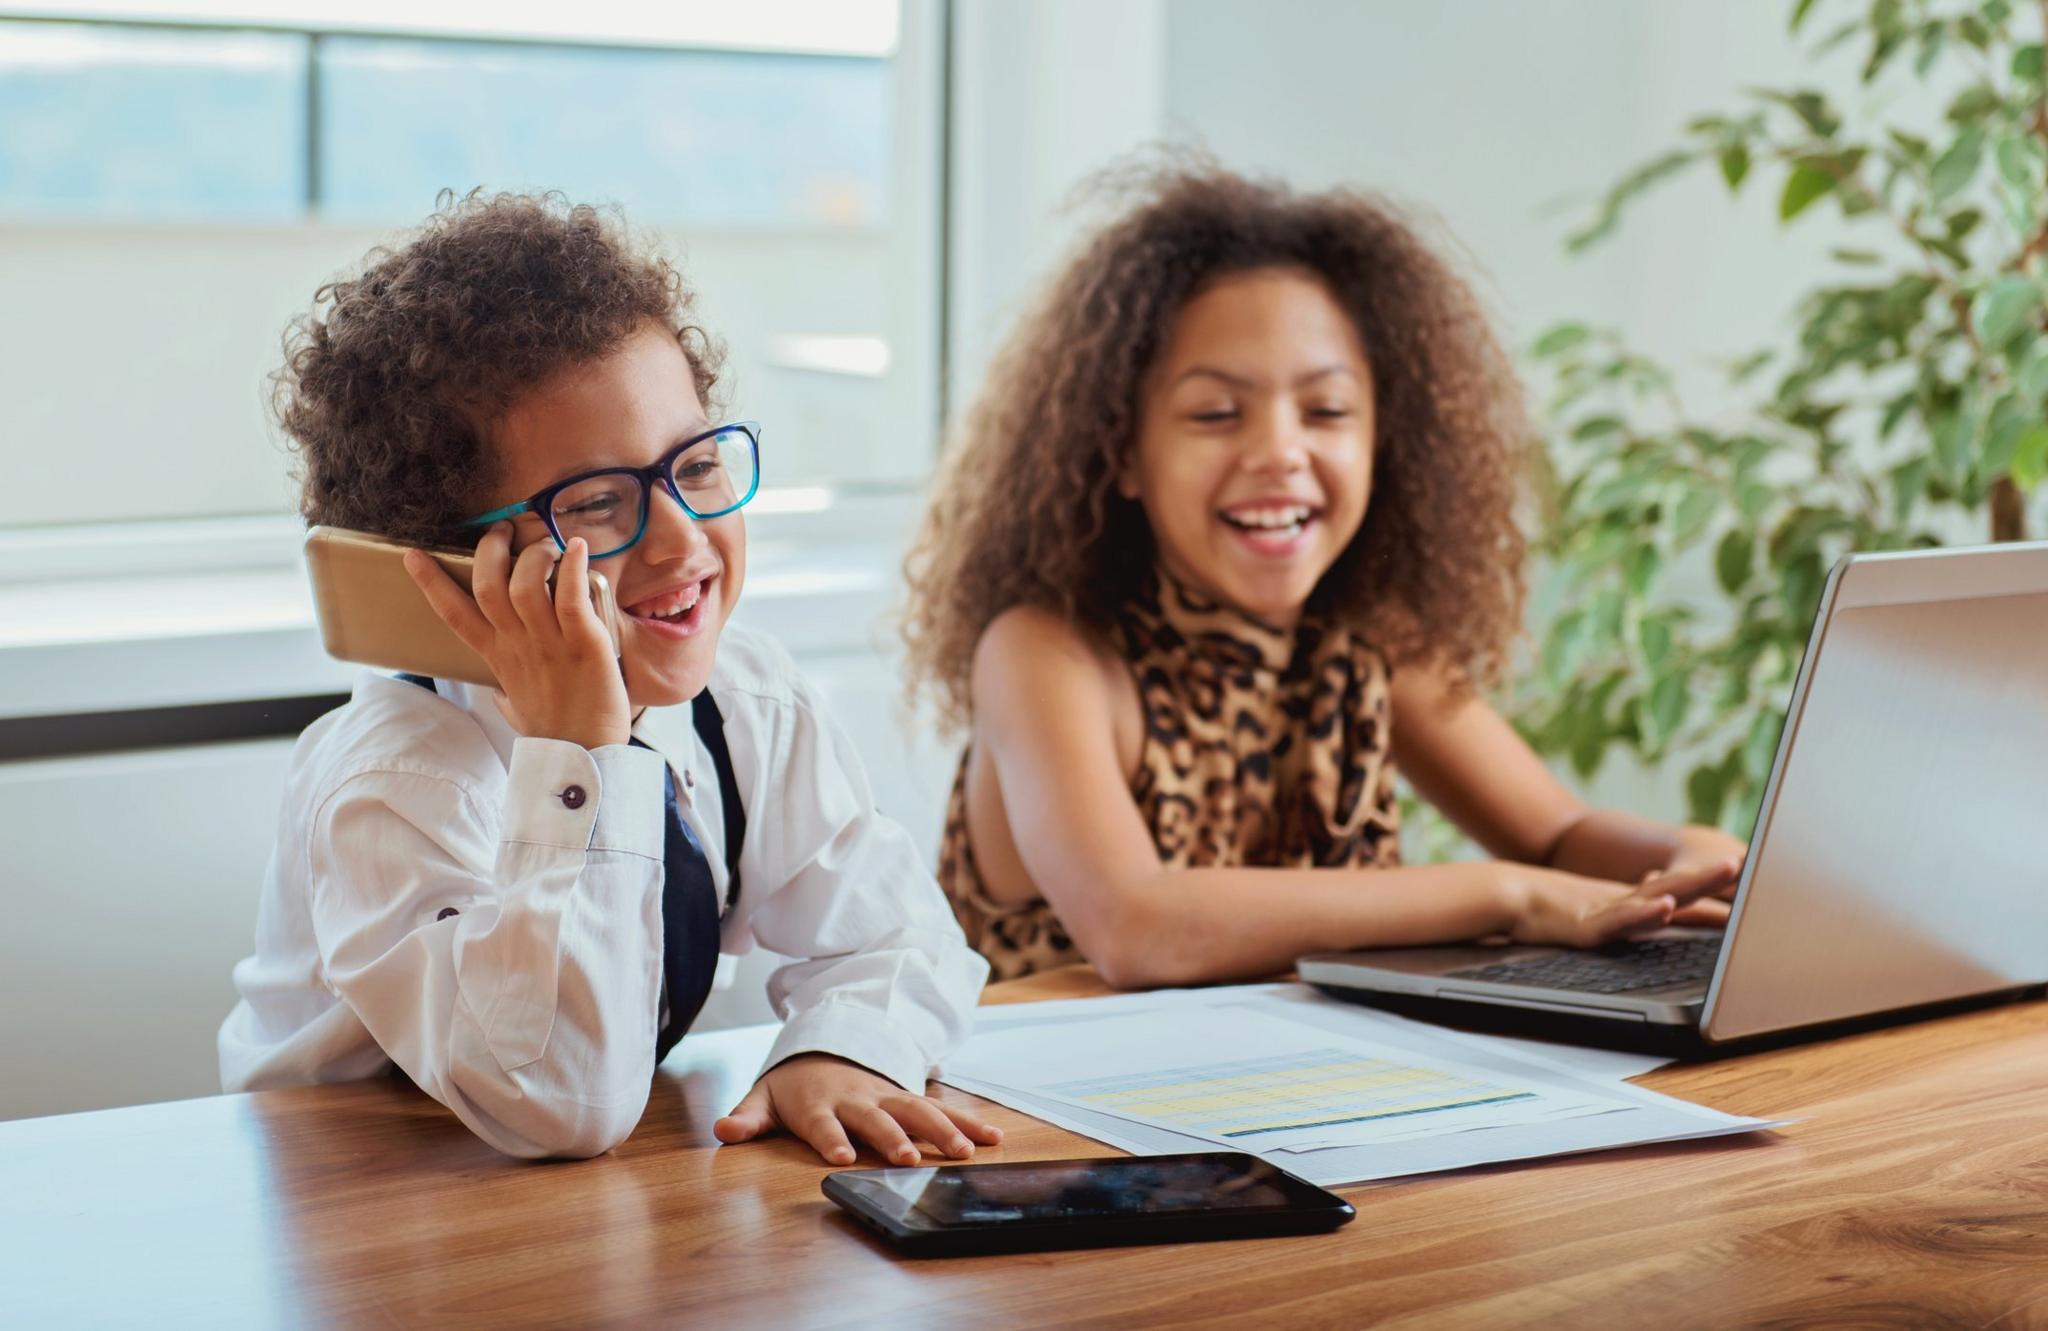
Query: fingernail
x=842 y=1157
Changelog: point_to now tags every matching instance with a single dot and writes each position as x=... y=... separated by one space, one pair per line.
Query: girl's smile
x=1254 y=456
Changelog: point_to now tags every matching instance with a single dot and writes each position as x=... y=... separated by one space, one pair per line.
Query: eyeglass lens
x=608 y=510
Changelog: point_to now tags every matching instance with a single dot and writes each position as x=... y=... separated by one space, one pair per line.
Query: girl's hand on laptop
x=822 y=1099
x=1699 y=846
x=1568 y=910
x=551 y=654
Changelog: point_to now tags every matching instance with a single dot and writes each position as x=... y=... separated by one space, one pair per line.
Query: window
x=150 y=124
x=698 y=138
x=172 y=193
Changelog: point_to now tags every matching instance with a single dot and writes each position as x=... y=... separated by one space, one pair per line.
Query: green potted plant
x=1910 y=409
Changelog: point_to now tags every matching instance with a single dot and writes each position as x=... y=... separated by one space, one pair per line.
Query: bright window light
x=823 y=27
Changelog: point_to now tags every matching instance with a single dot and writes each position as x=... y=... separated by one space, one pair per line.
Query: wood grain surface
x=1912 y=1192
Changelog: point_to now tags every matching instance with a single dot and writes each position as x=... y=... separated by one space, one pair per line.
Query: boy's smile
x=677 y=586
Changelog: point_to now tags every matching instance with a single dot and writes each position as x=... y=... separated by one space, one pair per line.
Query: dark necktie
x=689 y=920
x=689 y=897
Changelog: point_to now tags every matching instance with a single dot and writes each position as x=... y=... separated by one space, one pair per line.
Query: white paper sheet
x=1257 y=1081
x=1035 y=1038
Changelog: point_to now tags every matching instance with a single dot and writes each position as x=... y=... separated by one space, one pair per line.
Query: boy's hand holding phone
x=821 y=1099
x=547 y=646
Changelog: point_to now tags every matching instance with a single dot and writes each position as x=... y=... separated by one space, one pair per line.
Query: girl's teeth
x=1275 y=520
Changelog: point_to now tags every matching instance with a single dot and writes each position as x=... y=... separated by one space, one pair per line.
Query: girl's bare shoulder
x=1030 y=658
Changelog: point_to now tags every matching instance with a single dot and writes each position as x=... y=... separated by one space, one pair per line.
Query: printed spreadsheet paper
x=1038 y=1038
x=1243 y=1079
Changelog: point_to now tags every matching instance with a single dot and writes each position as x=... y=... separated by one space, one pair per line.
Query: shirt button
x=573 y=797
x=447 y=911
x=689 y=779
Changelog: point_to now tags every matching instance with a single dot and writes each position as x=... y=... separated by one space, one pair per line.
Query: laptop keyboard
x=1619 y=968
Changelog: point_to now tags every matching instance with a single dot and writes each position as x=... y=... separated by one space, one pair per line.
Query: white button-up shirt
x=439 y=899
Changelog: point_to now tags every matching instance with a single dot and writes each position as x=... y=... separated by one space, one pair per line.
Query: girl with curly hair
x=1228 y=535
x=518 y=897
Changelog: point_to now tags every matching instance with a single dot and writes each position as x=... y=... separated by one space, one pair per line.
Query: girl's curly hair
x=389 y=383
x=1025 y=510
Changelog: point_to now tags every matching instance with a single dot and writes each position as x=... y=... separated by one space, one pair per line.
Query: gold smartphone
x=373 y=613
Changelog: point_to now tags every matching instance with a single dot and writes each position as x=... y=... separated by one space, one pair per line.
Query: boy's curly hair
x=389 y=383
x=1025 y=511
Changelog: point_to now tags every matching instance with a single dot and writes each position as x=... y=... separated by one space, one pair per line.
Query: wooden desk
x=1913 y=1193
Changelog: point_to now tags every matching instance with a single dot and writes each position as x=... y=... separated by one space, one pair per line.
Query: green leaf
x=1732 y=558
x=1760 y=745
x=1856 y=256
x=2030 y=458
x=1608 y=609
x=1973 y=102
x=1811 y=107
x=1594 y=427
x=2003 y=309
x=1955 y=438
x=1564 y=647
x=2026 y=62
x=1705 y=789
x=1630 y=185
x=1915 y=148
x=1560 y=338
x=1931 y=41
x=1653 y=635
x=1695 y=509
x=2019 y=163
x=1669 y=698
x=1802 y=187
x=1909 y=485
x=1894 y=412
x=1956 y=168
x=1799 y=13
x=1799 y=586
x=1734 y=161
x=1589 y=746
x=1641 y=570
x=2032 y=376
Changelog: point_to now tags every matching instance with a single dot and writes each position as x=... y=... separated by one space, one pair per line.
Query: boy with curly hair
x=518 y=897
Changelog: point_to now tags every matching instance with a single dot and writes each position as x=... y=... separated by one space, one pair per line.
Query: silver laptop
x=1900 y=857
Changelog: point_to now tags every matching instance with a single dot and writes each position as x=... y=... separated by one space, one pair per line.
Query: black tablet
x=962 y=1209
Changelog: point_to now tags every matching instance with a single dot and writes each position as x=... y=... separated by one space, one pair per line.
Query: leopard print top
x=1262 y=747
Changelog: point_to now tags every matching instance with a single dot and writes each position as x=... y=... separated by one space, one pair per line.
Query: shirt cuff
x=564 y=795
x=858 y=1034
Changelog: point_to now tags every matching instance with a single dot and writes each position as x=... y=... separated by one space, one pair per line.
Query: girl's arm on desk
x=1047 y=704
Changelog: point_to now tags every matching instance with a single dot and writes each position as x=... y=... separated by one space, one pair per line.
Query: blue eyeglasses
x=710 y=475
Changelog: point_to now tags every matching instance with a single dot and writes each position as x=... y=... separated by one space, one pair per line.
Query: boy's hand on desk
x=821 y=1099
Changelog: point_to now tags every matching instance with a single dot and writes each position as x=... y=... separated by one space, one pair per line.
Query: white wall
x=1045 y=92
x=1508 y=120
